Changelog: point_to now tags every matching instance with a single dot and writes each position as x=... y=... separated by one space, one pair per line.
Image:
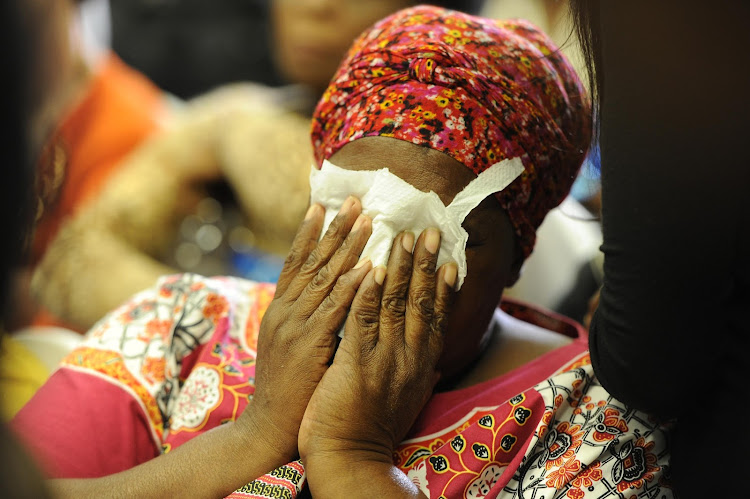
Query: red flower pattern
x=561 y=476
x=564 y=447
x=588 y=476
x=610 y=426
x=649 y=466
x=215 y=308
x=575 y=493
x=157 y=328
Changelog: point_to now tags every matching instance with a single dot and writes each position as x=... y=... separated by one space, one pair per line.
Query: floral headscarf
x=477 y=89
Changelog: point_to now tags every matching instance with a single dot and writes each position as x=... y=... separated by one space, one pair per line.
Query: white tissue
x=395 y=206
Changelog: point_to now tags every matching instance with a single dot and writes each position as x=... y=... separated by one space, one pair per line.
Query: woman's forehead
x=424 y=168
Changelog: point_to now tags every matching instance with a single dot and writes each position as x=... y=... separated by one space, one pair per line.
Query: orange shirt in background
x=120 y=108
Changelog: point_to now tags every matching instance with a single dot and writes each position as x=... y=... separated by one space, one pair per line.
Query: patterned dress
x=179 y=359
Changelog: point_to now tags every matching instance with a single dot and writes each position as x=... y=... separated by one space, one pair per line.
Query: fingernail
x=358 y=223
x=407 y=240
x=379 y=275
x=450 y=273
x=347 y=205
x=362 y=262
x=311 y=211
x=432 y=240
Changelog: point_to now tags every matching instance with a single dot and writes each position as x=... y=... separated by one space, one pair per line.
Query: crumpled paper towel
x=395 y=206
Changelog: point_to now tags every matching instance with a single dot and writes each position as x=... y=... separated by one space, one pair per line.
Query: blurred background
x=190 y=46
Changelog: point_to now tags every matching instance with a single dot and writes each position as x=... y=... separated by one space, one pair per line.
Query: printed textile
x=179 y=359
x=479 y=90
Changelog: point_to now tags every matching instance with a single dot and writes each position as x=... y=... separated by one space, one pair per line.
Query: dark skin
x=311 y=36
x=316 y=289
x=297 y=340
x=493 y=259
x=388 y=362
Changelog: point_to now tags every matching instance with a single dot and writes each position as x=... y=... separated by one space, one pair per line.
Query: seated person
x=201 y=385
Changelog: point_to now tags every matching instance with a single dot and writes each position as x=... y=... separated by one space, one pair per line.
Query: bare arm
x=211 y=465
x=343 y=473
x=297 y=339
x=134 y=220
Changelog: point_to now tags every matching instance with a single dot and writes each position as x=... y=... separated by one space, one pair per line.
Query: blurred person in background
x=174 y=203
x=310 y=37
x=88 y=114
x=19 y=476
x=189 y=47
x=84 y=115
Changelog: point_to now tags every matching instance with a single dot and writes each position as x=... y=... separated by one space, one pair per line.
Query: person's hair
x=586 y=22
x=468 y=6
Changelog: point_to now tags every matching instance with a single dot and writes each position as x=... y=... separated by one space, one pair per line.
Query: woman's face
x=491 y=253
x=310 y=37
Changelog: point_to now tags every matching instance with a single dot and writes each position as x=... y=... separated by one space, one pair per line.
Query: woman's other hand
x=384 y=370
x=297 y=337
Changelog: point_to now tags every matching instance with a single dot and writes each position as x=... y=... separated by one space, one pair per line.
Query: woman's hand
x=296 y=341
x=384 y=370
x=297 y=336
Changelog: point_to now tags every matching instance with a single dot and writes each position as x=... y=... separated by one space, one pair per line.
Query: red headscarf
x=477 y=89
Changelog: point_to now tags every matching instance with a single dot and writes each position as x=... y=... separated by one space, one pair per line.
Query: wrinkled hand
x=384 y=370
x=297 y=336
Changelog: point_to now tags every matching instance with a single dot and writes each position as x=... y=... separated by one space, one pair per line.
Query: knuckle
x=322 y=278
x=440 y=324
x=370 y=296
x=426 y=265
x=345 y=281
x=293 y=257
x=365 y=318
x=394 y=304
x=347 y=243
x=312 y=261
x=335 y=227
x=328 y=305
x=404 y=266
x=421 y=302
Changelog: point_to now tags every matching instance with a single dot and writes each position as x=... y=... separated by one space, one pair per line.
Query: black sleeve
x=674 y=141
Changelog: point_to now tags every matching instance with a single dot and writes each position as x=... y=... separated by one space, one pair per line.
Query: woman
x=441 y=98
x=675 y=220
